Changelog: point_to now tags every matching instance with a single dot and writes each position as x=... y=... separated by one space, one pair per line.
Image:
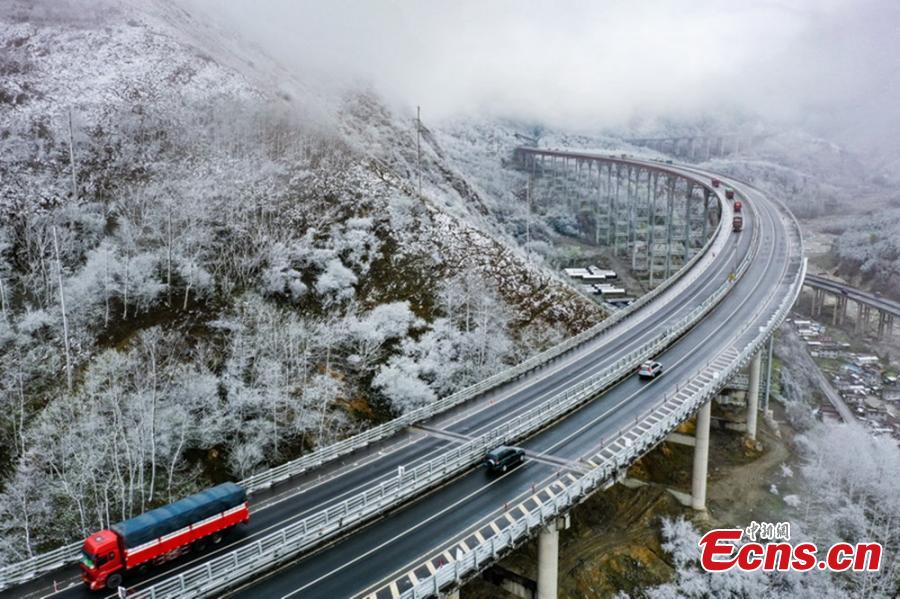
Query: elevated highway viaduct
x=582 y=415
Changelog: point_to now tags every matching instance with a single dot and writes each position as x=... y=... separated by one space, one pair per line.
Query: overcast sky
x=592 y=63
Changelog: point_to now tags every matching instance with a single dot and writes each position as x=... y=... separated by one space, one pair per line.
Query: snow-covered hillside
x=237 y=268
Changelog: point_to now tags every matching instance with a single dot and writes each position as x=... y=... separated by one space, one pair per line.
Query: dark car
x=503 y=458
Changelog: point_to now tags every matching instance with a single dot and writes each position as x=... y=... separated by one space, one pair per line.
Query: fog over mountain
x=832 y=64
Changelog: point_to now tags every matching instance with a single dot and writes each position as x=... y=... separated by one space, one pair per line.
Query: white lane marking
x=433 y=516
x=693 y=292
x=591 y=423
x=512 y=392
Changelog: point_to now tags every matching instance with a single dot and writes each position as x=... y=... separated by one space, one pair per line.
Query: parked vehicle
x=650 y=370
x=503 y=458
x=729 y=193
x=715 y=182
x=738 y=206
x=162 y=534
x=737 y=225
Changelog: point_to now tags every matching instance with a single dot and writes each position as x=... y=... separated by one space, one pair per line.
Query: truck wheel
x=217 y=538
x=114 y=581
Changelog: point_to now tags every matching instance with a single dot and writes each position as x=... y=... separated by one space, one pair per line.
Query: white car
x=650 y=370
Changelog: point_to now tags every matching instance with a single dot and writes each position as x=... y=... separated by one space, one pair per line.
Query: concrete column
x=858 y=325
x=454 y=594
x=753 y=396
x=651 y=250
x=834 y=314
x=632 y=200
x=705 y=213
x=610 y=227
x=548 y=562
x=615 y=204
x=687 y=221
x=670 y=198
x=771 y=350
x=701 y=458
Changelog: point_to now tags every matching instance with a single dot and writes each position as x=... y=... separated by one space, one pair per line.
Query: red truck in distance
x=715 y=182
x=162 y=534
x=737 y=206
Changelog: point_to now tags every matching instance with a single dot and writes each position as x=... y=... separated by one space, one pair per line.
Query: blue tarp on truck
x=169 y=518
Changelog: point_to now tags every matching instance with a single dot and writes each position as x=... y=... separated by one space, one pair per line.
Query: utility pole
x=419 y=148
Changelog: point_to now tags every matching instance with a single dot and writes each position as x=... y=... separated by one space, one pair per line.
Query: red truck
x=737 y=206
x=715 y=182
x=737 y=225
x=162 y=534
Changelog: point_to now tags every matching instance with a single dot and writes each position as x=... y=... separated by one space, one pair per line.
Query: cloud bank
x=590 y=63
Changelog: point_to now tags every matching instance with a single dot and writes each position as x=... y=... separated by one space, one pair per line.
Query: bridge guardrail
x=300 y=465
x=25 y=570
x=681 y=405
x=228 y=570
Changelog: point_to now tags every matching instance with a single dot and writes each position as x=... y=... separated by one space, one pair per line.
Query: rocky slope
x=209 y=266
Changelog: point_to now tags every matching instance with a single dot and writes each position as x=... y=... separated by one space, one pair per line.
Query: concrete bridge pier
x=454 y=594
x=753 y=395
x=548 y=558
x=883 y=323
x=840 y=310
x=858 y=325
x=818 y=302
x=701 y=458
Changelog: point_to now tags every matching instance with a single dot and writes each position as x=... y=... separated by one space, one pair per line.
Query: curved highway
x=403 y=545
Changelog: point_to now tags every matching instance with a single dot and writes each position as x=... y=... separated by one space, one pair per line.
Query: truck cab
x=101 y=561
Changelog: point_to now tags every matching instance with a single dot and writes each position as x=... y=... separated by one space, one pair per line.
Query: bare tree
x=62 y=306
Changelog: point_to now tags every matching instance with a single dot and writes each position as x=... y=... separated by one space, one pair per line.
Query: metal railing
x=249 y=560
x=646 y=433
x=25 y=570
x=302 y=464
